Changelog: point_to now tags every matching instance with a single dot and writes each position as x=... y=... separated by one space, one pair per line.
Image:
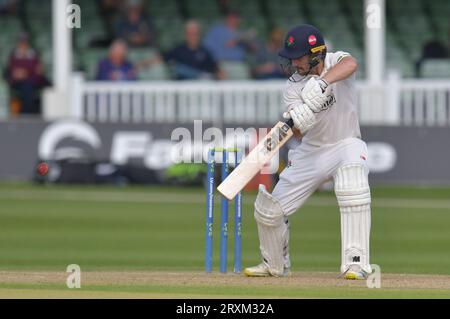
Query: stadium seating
x=90 y=60
x=235 y=70
x=10 y=28
x=410 y=24
x=436 y=68
x=247 y=9
x=166 y=15
x=170 y=31
x=330 y=17
x=201 y=9
x=154 y=72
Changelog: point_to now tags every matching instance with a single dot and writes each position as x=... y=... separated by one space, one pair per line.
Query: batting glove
x=303 y=117
x=313 y=94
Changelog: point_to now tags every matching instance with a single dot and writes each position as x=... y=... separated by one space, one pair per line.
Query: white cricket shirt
x=339 y=119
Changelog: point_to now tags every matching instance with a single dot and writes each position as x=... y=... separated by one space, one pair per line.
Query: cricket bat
x=256 y=159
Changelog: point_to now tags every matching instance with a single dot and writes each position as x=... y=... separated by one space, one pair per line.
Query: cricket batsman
x=320 y=98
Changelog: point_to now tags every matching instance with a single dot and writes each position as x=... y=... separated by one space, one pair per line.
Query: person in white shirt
x=320 y=98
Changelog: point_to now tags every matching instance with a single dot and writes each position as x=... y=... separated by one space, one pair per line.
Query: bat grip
x=290 y=122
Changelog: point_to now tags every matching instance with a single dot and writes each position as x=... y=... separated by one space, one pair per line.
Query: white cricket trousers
x=309 y=168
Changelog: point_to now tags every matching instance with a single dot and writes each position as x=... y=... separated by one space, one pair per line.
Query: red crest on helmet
x=290 y=41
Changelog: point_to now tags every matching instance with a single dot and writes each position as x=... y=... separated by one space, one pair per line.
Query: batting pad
x=272 y=230
x=287 y=259
x=353 y=194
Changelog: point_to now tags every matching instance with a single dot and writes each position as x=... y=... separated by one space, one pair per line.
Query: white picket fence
x=395 y=102
x=425 y=102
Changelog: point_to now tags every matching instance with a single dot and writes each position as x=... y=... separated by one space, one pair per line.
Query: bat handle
x=290 y=122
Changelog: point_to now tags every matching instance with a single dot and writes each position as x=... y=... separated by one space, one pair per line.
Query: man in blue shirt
x=115 y=67
x=267 y=58
x=135 y=28
x=225 y=41
x=190 y=59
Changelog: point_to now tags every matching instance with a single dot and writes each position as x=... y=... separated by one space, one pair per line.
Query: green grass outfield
x=154 y=230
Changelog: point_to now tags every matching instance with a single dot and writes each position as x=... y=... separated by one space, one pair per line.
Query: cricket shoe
x=263 y=271
x=355 y=272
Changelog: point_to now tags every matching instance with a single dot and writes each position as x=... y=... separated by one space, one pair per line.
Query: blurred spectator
x=110 y=12
x=9 y=6
x=135 y=28
x=116 y=67
x=267 y=59
x=433 y=49
x=25 y=76
x=191 y=59
x=226 y=42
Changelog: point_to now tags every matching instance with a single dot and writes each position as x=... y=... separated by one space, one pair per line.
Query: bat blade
x=256 y=159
